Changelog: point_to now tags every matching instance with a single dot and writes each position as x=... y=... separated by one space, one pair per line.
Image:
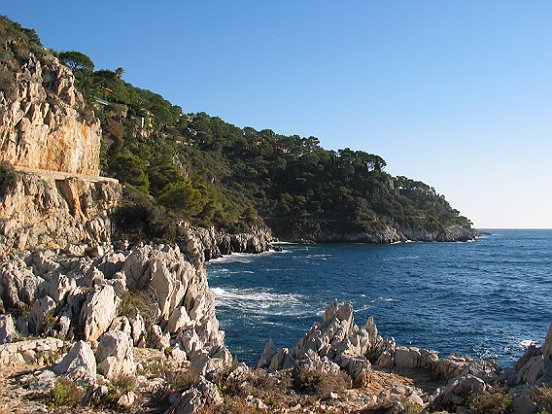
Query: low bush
x=234 y=406
x=118 y=387
x=321 y=384
x=66 y=393
x=543 y=399
x=134 y=301
x=491 y=401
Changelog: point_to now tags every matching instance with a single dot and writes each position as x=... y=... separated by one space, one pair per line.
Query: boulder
x=98 y=311
x=457 y=391
x=18 y=286
x=7 y=329
x=115 y=355
x=202 y=394
x=79 y=363
x=535 y=366
x=407 y=357
x=60 y=286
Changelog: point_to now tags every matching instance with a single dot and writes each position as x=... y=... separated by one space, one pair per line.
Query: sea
x=490 y=298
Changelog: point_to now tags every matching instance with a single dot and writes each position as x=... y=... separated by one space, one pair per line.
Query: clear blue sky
x=454 y=93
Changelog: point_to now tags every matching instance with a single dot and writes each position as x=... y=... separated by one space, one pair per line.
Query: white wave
x=218 y=291
x=241 y=257
x=381 y=298
x=363 y=308
x=526 y=343
x=393 y=259
x=261 y=301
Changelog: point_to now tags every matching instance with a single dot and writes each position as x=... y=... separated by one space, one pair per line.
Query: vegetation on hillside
x=199 y=168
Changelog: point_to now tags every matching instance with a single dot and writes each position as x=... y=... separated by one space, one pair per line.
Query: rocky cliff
x=43 y=122
x=51 y=139
x=52 y=210
x=216 y=244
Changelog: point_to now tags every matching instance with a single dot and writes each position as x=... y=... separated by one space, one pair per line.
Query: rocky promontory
x=384 y=232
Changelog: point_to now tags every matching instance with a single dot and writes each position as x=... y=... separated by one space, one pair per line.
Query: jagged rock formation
x=43 y=125
x=215 y=244
x=336 y=342
x=50 y=211
x=91 y=294
x=337 y=339
x=535 y=366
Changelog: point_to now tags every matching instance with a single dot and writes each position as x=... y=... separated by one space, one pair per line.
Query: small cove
x=486 y=298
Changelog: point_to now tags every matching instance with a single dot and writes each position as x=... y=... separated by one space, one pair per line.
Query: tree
x=76 y=61
x=183 y=198
x=130 y=169
x=119 y=72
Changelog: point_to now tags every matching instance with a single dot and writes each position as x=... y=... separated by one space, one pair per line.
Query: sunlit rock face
x=46 y=125
x=46 y=211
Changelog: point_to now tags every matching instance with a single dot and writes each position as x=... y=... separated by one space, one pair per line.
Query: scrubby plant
x=136 y=301
x=309 y=381
x=494 y=400
x=543 y=399
x=234 y=406
x=118 y=386
x=274 y=390
x=66 y=393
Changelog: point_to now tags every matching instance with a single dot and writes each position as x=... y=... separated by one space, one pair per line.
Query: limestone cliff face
x=42 y=126
x=53 y=210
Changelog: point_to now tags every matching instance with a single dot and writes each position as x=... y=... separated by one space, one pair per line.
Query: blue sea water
x=488 y=298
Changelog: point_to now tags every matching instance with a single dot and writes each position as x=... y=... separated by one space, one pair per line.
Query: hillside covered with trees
x=199 y=168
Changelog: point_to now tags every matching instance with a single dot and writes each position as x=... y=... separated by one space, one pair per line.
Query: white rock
x=98 y=312
x=202 y=394
x=7 y=329
x=115 y=355
x=79 y=363
x=407 y=357
x=126 y=400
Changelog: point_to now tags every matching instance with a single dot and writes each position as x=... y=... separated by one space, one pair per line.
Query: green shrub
x=492 y=401
x=66 y=393
x=7 y=82
x=136 y=300
x=118 y=386
x=141 y=219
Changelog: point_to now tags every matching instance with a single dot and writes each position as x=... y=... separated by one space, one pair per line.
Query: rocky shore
x=135 y=331
x=382 y=232
x=90 y=323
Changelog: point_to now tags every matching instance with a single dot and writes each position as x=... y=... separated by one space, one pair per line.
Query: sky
x=457 y=94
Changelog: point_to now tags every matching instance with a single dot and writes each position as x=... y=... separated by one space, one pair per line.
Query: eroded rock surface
x=46 y=125
x=50 y=211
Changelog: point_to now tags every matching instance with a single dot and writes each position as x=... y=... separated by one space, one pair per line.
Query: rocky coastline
x=90 y=323
x=384 y=232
